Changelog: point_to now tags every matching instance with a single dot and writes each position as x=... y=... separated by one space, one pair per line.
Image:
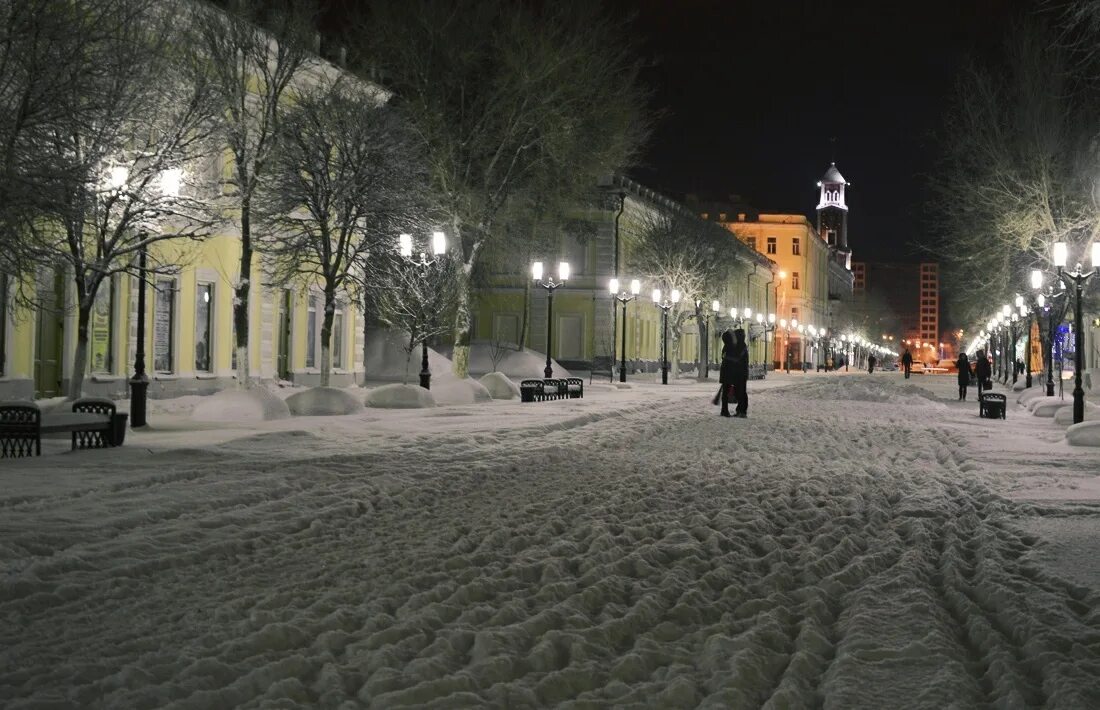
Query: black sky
x=755 y=90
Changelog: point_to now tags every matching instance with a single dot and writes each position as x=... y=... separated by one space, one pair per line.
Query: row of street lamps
x=1001 y=329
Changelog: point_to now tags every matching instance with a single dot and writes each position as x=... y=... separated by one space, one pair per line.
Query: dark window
x=795 y=246
x=311 y=333
x=771 y=245
x=204 y=326
x=102 y=329
x=338 y=338
x=164 y=320
x=794 y=280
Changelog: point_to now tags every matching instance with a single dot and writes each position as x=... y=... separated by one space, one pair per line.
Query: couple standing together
x=734 y=374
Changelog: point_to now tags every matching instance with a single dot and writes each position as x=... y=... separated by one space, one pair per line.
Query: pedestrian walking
x=983 y=372
x=907 y=362
x=963 y=364
x=871 y=360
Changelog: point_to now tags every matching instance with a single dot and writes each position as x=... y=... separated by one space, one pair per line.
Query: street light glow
x=405 y=246
x=1061 y=254
x=656 y=295
x=613 y=287
x=635 y=286
x=170 y=181
x=1036 y=279
x=536 y=270
x=715 y=306
x=563 y=270
x=439 y=243
x=119 y=175
x=675 y=295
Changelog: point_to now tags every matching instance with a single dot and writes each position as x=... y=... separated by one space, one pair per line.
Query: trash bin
x=118 y=428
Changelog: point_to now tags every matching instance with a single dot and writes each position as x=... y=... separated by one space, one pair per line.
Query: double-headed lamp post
x=1076 y=278
x=768 y=325
x=550 y=284
x=1045 y=303
x=624 y=298
x=439 y=248
x=665 y=305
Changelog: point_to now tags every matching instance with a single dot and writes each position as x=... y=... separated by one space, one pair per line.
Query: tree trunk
x=525 y=324
x=460 y=363
x=326 y=337
x=240 y=302
x=704 y=344
x=80 y=357
x=674 y=332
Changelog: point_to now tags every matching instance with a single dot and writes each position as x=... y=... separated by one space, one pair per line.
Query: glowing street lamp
x=1077 y=278
x=405 y=249
x=624 y=298
x=550 y=285
x=665 y=305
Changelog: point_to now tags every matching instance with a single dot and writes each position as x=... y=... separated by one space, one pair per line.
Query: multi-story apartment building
x=813 y=268
x=903 y=300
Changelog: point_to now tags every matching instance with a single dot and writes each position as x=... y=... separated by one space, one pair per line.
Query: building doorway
x=282 y=359
x=570 y=337
x=49 y=335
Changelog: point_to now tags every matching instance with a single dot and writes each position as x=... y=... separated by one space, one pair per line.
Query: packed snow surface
x=855 y=543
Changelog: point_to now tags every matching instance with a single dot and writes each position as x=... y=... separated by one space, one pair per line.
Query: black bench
x=574 y=387
x=551 y=388
x=991 y=405
x=93 y=422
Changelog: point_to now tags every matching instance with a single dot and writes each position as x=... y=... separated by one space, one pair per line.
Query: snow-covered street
x=857 y=542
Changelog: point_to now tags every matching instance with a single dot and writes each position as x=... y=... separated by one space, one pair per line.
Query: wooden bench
x=93 y=422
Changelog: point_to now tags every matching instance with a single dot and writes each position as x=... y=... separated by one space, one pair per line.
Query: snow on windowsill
x=166 y=376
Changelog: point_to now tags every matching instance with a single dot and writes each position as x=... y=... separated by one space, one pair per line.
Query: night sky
x=755 y=91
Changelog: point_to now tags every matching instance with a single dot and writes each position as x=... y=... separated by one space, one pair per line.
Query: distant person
x=907 y=362
x=871 y=360
x=983 y=372
x=963 y=364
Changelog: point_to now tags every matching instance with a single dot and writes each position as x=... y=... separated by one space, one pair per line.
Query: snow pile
x=499 y=386
x=255 y=404
x=1084 y=434
x=399 y=396
x=517 y=364
x=323 y=401
x=1064 y=416
x=865 y=389
x=451 y=390
x=1048 y=406
x=1029 y=394
x=387 y=360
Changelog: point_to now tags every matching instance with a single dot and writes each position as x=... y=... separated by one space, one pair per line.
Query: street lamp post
x=1077 y=278
x=624 y=298
x=1045 y=303
x=550 y=285
x=768 y=326
x=170 y=180
x=665 y=305
x=439 y=248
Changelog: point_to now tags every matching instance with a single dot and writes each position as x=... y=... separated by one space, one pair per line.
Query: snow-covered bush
x=256 y=404
x=499 y=386
x=399 y=396
x=323 y=401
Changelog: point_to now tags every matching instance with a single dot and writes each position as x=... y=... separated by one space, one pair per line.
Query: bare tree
x=507 y=96
x=344 y=182
x=418 y=299
x=256 y=50
x=1018 y=171
x=116 y=168
x=677 y=250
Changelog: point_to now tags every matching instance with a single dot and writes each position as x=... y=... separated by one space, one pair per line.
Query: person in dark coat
x=963 y=364
x=983 y=372
x=734 y=374
x=907 y=362
x=871 y=360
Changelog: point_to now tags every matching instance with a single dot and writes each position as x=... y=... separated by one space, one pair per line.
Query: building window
x=795 y=246
x=164 y=318
x=794 y=281
x=771 y=245
x=3 y=323
x=830 y=237
x=338 y=338
x=102 y=327
x=705 y=215
x=721 y=216
x=311 y=332
x=204 y=326
x=794 y=312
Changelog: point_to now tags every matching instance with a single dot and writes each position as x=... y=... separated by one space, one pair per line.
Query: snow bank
x=387 y=360
x=1029 y=394
x=398 y=396
x=255 y=404
x=1084 y=434
x=1065 y=415
x=323 y=401
x=866 y=389
x=1043 y=408
x=516 y=364
x=451 y=390
x=499 y=386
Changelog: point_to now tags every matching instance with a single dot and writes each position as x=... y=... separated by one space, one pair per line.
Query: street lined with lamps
x=624 y=298
x=550 y=285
